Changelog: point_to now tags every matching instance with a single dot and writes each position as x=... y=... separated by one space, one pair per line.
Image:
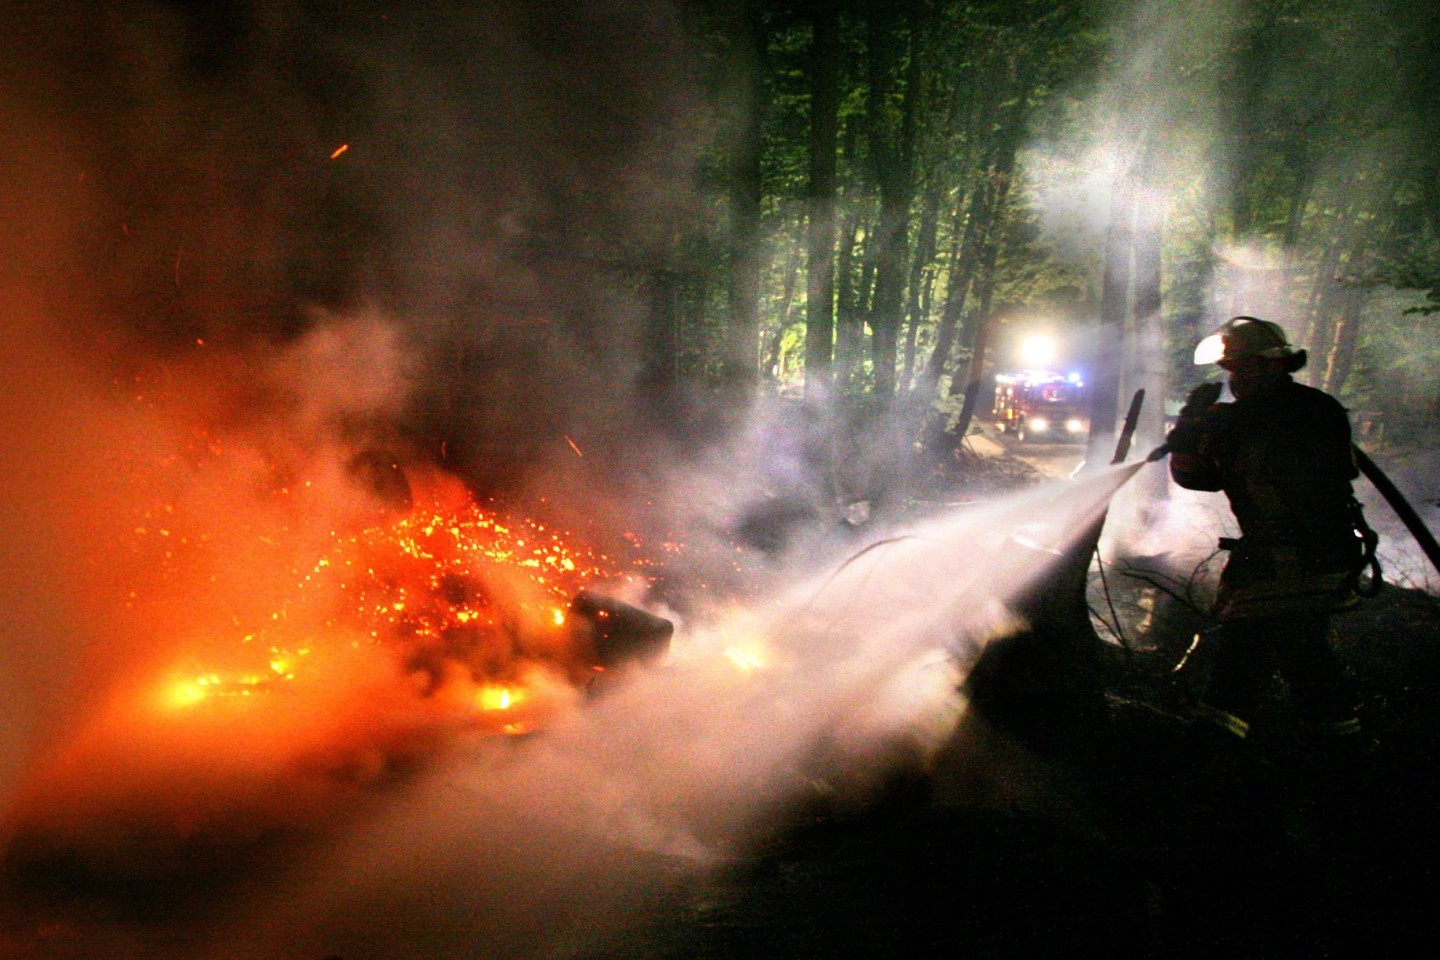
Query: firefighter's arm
x=1190 y=442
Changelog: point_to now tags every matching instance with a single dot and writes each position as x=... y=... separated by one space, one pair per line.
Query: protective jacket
x=1284 y=459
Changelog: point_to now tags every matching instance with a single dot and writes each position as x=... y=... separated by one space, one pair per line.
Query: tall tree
x=922 y=276
x=1108 y=341
x=985 y=220
x=1147 y=365
x=824 y=140
x=892 y=56
x=1341 y=349
x=746 y=258
x=972 y=219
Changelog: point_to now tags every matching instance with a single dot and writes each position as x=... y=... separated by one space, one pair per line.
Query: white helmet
x=1242 y=337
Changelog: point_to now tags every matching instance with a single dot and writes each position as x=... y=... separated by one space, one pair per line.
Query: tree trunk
x=1321 y=330
x=849 y=340
x=1335 y=304
x=891 y=152
x=824 y=139
x=964 y=257
x=856 y=308
x=1316 y=329
x=739 y=361
x=921 y=274
x=1148 y=371
x=1109 y=340
x=772 y=368
x=981 y=216
x=979 y=342
x=1347 y=334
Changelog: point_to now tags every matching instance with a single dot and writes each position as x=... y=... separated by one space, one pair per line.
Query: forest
x=905 y=189
x=600 y=224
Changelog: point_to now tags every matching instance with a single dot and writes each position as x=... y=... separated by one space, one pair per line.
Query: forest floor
x=1141 y=835
x=1133 y=831
x=1139 y=832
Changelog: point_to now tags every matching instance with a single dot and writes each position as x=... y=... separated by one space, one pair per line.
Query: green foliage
x=1393 y=392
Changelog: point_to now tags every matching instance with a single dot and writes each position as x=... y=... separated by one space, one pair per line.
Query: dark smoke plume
x=499 y=182
x=217 y=319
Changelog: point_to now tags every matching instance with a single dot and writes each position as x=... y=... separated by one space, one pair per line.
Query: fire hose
x=1400 y=505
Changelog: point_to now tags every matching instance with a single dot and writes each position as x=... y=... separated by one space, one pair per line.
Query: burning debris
x=458 y=599
x=619 y=632
x=443 y=619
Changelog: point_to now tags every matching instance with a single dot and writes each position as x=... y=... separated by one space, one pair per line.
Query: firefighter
x=1282 y=454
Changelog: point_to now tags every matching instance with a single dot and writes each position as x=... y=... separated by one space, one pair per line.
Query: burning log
x=620 y=633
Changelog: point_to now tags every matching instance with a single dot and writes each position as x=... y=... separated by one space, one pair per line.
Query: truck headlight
x=1074 y=425
x=1039 y=424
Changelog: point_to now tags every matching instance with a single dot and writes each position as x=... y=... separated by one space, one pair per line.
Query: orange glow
x=351 y=655
x=747 y=658
x=184 y=693
x=491 y=699
x=455 y=597
x=339 y=150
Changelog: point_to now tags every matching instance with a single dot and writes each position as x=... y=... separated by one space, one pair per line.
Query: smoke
x=211 y=480
x=223 y=330
x=257 y=246
x=502 y=184
x=1288 y=135
x=203 y=486
x=1278 y=151
x=812 y=697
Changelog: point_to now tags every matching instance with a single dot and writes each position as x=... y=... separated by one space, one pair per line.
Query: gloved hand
x=1202 y=398
x=1190 y=428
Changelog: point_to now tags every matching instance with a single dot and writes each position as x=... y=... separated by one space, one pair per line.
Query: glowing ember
x=498 y=698
x=747 y=658
x=457 y=598
x=184 y=693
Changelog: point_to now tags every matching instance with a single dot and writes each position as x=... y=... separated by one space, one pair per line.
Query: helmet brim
x=1210 y=350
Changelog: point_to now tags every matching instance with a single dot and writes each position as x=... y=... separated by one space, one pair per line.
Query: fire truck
x=1036 y=405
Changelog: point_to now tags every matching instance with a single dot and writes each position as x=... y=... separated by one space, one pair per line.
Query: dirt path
x=1051 y=460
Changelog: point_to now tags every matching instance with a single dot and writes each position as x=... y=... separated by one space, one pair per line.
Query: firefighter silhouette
x=1282 y=454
